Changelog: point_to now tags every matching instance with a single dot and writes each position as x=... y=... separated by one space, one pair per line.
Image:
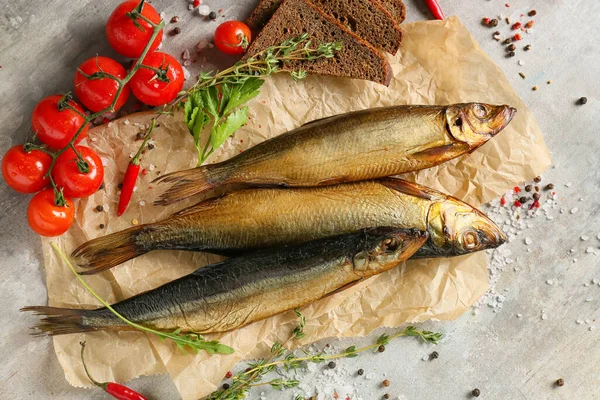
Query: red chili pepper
x=132 y=172
x=435 y=9
x=129 y=181
x=117 y=391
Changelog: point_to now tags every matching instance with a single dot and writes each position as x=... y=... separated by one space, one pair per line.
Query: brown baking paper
x=439 y=63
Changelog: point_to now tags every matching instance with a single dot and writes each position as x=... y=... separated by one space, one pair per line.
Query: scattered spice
x=517 y=204
x=331 y=364
x=503 y=201
x=196 y=3
x=560 y=382
x=523 y=199
x=534 y=88
x=511 y=54
x=101 y=186
x=522 y=75
x=517 y=25
x=212 y=15
x=175 y=19
x=537 y=179
x=507 y=21
x=99 y=208
x=494 y=22
x=476 y=392
x=528 y=188
x=549 y=82
x=512 y=47
x=529 y=24
x=101 y=226
x=120 y=186
x=175 y=31
x=360 y=371
x=134 y=222
x=381 y=348
x=536 y=196
x=582 y=100
x=386 y=396
x=507 y=41
x=532 y=13
x=434 y=355
x=550 y=186
x=517 y=37
x=527 y=48
x=386 y=383
x=517 y=189
x=150 y=146
x=225 y=386
x=486 y=21
x=140 y=135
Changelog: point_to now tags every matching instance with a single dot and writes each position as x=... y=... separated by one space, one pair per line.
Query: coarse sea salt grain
x=204 y=10
x=568 y=184
x=574 y=210
x=595 y=281
x=584 y=238
x=519 y=315
x=549 y=281
x=126 y=122
x=528 y=241
x=591 y=328
x=589 y=299
x=590 y=250
x=544 y=317
x=579 y=322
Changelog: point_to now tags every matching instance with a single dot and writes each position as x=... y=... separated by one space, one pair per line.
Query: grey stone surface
x=41 y=42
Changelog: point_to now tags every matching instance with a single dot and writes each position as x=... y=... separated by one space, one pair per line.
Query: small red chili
x=517 y=25
x=517 y=37
x=435 y=9
x=517 y=203
x=117 y=391
x=131 y=174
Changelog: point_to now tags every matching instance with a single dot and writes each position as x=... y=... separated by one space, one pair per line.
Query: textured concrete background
x=41 y=43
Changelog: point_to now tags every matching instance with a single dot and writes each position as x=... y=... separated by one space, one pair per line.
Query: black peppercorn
x=175 y=19
x=99 y=208
x=386 y=383
x=537 y=179
x=331 y=364
x=537 y=188
x=361 y=371
x=560 y=382
x=511 y=54
x=582 y=100
x=528 y=188
x=101 y=186
x=175 y=31
x=507 y=41
x=532 y=13
x=225 y=386
x=120 y=186
x=434 y=355
x=475 y=392
x=512 y=47
x=386 y=396
x=381 y=349
x=139 y=136
x=212 y=15
x=527 y=48
x=101 y=226
x=150 y=146
x=550 y=186
x=536 y=196
x=494 y=22
x=523 y=200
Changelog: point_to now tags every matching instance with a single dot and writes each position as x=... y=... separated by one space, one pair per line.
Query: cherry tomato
x=47 y=218
x=55 y=127
x=230 y=37
x=124 y=36
x=98 y=94
x=66 y=173
x=151 y=89
x=25 y=172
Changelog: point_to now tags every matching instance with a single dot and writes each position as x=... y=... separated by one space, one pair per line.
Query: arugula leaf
x=232 y=123
x=240 y=93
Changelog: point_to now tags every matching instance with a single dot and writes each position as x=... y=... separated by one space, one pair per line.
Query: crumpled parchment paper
x=439 y=63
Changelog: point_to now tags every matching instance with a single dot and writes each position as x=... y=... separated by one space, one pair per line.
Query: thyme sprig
x=194 y=341
x=243 y=381
x=220 y=97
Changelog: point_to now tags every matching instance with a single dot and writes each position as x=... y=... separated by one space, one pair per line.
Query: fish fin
x=346 y=286
x=410 y=188
x=59 y=321
x=203 y=205
x=434 y=151
x=193 y=181
x=333 y=181
x=314 y=121
x=108 y=251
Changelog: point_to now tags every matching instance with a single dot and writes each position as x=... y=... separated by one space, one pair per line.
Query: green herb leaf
x=234 y=95
x=232 y=123
x=210 y=98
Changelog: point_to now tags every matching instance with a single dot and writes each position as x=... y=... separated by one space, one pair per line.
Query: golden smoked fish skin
x=241 y=290
x=350 y=147
x=252 y=219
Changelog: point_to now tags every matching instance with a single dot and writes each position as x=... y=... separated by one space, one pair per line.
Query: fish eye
x=470 y=240
x=390 y=244
x=480 y=110
x=458 y=121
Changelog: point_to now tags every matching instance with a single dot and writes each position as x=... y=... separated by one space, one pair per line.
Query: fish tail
x=108 y=251
x=59 y=321
x=193 y=181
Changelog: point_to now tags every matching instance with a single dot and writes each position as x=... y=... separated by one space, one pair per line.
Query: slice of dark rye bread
x=396 y=8
x=366 y=18
x=357 y=58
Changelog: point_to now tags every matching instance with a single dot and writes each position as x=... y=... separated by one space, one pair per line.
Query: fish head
x=476 y=123
x=456 y=228
x=384 y=248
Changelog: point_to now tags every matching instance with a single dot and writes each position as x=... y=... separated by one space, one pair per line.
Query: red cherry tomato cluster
x=101 y=84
